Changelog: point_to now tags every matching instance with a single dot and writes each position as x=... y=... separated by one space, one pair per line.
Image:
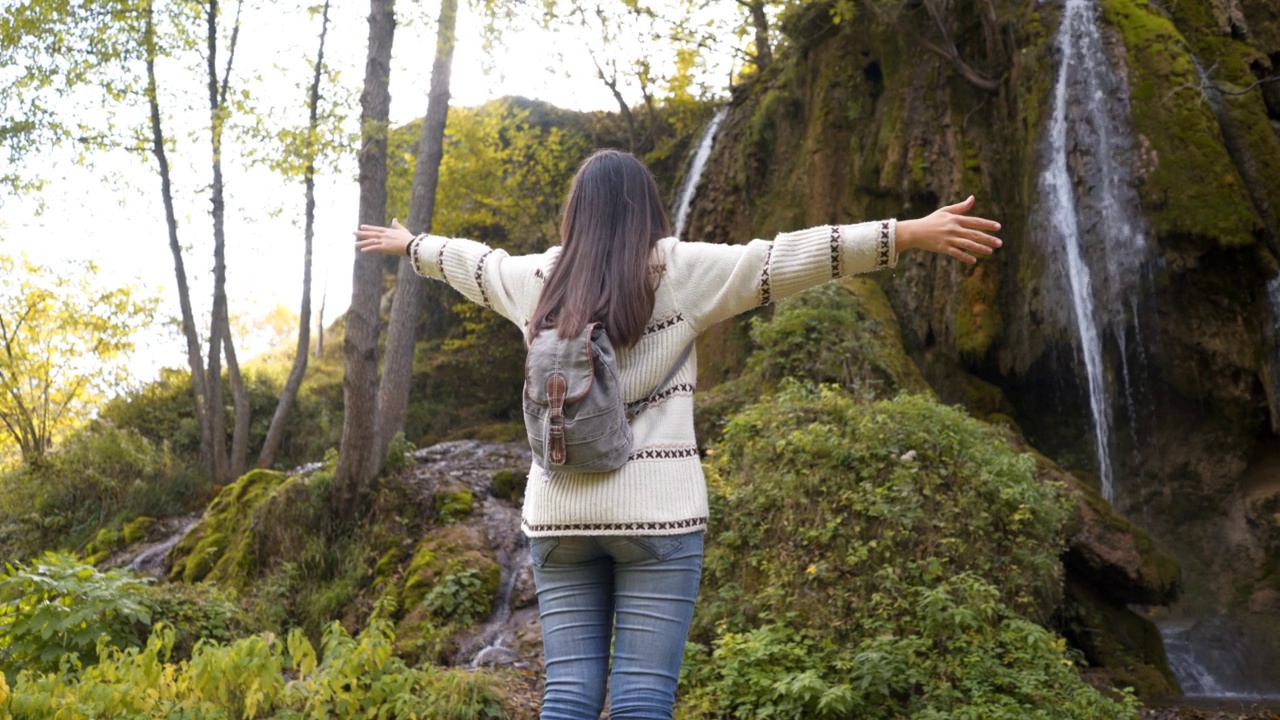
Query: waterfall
x=1089 y=212
x=1213 y=657
x=694 y=174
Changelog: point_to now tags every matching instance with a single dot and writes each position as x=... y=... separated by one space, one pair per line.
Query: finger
x=961 y=207
x=988 y=241
x=977 y=223
x=395 y=223
x=961 y=255
x=973 y=247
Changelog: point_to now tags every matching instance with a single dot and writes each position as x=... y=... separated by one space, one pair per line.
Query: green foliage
x=881 y=559
x=162 y=411
x=259 y=677
x=100 y=478
x=844 y=333
x=59 y=610
x=399 y=454
x=200 y=612
x=450 y=583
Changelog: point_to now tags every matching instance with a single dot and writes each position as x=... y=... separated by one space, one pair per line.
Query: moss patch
x=450 y=583
x=453 y=502
x=1192 y=188
x=223 y=528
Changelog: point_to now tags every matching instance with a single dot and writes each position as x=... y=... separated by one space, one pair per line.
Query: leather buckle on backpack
x=557 y=386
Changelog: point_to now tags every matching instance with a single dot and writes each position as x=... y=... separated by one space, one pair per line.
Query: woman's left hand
x=952 y=231
x=386 y=240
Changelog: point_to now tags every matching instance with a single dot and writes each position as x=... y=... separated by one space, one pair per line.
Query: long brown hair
x=612 y=219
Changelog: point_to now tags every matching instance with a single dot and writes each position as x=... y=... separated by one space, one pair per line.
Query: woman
x=617 y=556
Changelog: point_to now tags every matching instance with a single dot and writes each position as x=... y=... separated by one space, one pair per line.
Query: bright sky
x=112 y=213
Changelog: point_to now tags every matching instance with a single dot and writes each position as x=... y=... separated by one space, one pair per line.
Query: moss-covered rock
x=510 y=485
x=1190 y=186
x=221 y=536
x=450 y=583
x=1121 y=645
x=453 y=502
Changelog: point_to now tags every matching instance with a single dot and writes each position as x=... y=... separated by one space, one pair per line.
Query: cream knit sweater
x=661 y=489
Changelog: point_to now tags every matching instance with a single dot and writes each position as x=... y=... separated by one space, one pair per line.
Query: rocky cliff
x=1131 y=150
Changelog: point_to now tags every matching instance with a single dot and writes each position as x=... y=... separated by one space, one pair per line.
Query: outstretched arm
x=508 y=285
x=730 y=279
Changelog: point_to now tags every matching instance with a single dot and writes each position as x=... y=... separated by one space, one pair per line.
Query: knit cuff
x=866 y=247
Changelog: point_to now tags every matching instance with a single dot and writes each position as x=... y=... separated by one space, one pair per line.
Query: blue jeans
x=636 y=590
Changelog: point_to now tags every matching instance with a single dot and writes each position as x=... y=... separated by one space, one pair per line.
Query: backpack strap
x=640 y=406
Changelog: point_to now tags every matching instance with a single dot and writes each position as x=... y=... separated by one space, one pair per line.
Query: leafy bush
x=256 y=677
x=883 y=559
x=60 y=608
x=103 y=476
x=163 y=411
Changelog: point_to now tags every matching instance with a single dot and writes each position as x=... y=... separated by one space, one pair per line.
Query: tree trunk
x=324 y=297
x=764 y=54
x=274 y=433
x=406 y=309
x=199 y=388
x=220 y=325
x=360 y=346
x=240 y=431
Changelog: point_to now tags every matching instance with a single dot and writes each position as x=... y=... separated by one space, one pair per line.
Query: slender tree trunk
x=240 y=431
x=360 y=346
x=406 y=309
x=764 y=53
x=199 y=387
x=324 y=297
x=219 y=321
x=276 y=431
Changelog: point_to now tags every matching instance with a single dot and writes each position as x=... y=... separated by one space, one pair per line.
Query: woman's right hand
x=386 y=240
x=949 y=231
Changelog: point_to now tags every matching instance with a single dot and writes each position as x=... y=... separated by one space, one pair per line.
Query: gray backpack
x=573 y=409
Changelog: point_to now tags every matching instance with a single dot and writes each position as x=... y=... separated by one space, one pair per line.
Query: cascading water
x=1212 y=658
x=694 y=175
x=1089 y=211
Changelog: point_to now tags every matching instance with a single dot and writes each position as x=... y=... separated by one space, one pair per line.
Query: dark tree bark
x=194 y=354
x=611 y=82
x=764 y=53
x=406 y=308
x=360 y=346
x=276 y=431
